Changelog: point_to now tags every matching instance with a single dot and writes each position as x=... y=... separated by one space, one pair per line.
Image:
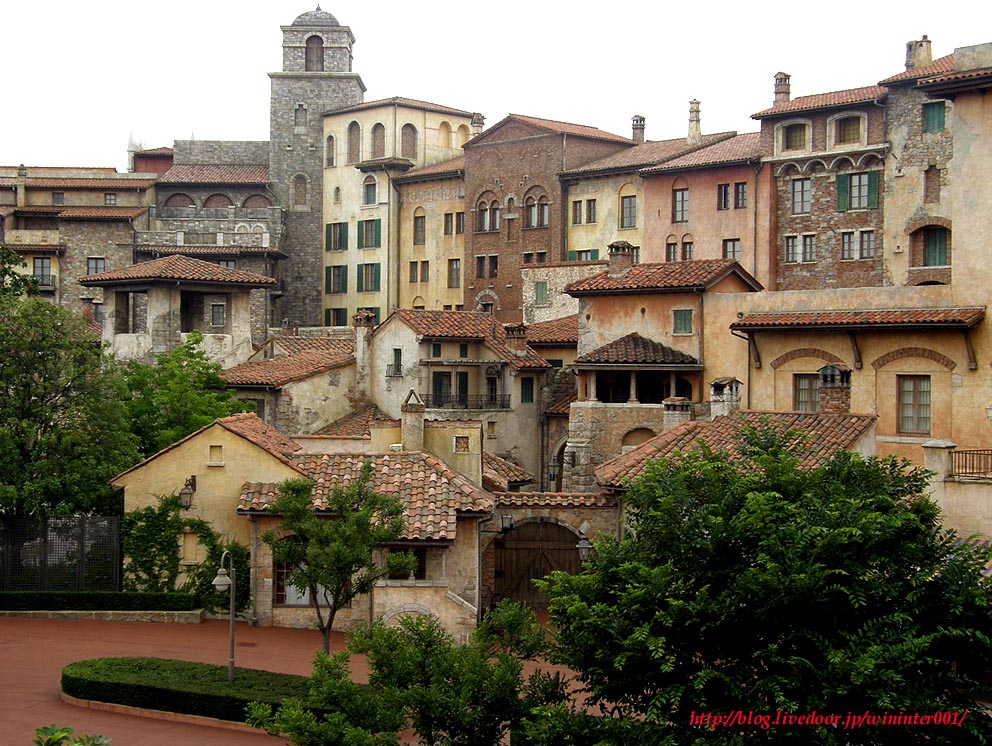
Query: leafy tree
x=13 y=283
x=179 y=394
x=331 y=553
x=63 y=431
x=754 y=586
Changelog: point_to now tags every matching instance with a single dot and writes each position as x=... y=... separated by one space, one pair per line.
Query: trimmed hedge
x=95 y=601
x=179 y=686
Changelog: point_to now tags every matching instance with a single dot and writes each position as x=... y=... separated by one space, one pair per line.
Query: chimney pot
x=695 y=128
x=783 y=88
x=637 y=125
x=621 y=256
x=918 y=53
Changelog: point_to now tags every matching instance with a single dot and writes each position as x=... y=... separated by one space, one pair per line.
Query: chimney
x=21 y=183
x=678 y=410
x=412 y=422
x=87 y=308
x=621 y=257
x=725 y=397
x=783 y=88
x=516 y=338
x=363 y=323
x=695 y=130
x=835 y=389
x=478 y=122
x=918 y=53
x=637 y=125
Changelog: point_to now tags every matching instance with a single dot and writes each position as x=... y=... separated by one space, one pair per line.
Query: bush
x=95 y=601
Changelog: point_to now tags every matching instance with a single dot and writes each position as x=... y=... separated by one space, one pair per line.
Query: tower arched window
x=482 y=217
x=315 y=54
x=378 y=141
x=408 y=141
x=354 y=143
x=300 y=115
x=494 y=215
x=329 y=154
x=299 y=190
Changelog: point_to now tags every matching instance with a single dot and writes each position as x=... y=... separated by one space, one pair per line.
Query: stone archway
x=529 y=552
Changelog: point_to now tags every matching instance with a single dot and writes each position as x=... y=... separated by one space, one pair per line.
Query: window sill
x=215 y=463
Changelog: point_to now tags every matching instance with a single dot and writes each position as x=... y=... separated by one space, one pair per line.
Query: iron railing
x=464 y=401
x=972 y=463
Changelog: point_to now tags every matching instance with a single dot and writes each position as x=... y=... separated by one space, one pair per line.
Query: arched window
x=299 y=190
x=315 y=54
x=218 y=200
x=444 y=135
x=494 y=215
x=482 y=217
x=257 y=200
x=329 y=152
x=462 y=135
x=337 y=195
x=378 y=141
x=530 y=212
x=543 y=212
x=179 y=200
x=300 y=115
x=408 y=141
x=369 y=191
x=354 y=143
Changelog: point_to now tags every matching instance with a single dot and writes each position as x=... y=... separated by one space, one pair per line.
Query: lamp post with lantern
x=223 y=583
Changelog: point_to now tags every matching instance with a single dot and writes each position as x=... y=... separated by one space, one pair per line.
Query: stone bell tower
x=316 y=77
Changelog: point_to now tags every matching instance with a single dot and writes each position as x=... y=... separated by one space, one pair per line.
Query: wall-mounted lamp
x=505 y=523
x=186 y=493
x=585 y=547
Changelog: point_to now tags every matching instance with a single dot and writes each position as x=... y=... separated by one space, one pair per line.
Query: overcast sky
x=80 y=77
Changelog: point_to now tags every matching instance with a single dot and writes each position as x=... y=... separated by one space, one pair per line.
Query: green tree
x=179 y=394
x=331 y=554
x=753 y=586
x=12 y=282
x=63 y=431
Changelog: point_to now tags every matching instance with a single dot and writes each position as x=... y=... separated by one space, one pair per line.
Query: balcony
x=46 y=282
x=465 y=401
x=976 y=463
x=31 y=238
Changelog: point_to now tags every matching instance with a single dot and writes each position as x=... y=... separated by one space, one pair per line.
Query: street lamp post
x=224 y=583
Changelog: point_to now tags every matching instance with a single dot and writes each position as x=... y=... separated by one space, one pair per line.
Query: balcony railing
x=976 y=463
x=394 y=371
x=46 y=282
x=462 y=401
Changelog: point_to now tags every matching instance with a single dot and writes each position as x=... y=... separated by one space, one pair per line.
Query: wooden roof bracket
x=752 y=342
x=970 y=347
x=854 y=350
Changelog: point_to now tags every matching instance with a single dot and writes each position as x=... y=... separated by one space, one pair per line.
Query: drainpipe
x=253 y=620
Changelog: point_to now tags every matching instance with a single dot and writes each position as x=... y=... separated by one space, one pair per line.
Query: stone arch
x=419 y=303
x=930 y=220
x=256 y=200
x=804 y=352
x=815 y=166
x=788 y=169
x=218 y=200
x=634 y=438
x=921 y=352
x=405 y=610
x=329 y=154
x=487 y=296
x=179 y=200
x=842 y=162
x=444 y=135
x=869 y=160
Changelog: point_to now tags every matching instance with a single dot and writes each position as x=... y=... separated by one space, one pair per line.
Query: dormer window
x=794 y=137
x=847 y=131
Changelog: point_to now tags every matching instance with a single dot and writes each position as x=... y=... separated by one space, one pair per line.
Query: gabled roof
x=865 y=95
x=939 y=65
x=647 y=154
x=828 y=433
x=156 y=152
x=201 y=173
x=698 y=274
x=955 y=318
x=296 y=366
x=246 y=425
x=557 y=332
x=554 y=127
x=433 y=495
x=498 y=474
x=409 y=103
x=955 y=80
x=178 y=267
x=358 y=424
x=634 y=349
x=450 y=169
x=744 y=148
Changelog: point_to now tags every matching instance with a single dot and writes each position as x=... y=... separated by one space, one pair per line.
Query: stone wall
x=221 y=152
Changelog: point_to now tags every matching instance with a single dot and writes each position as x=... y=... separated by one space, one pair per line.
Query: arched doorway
x=530 y=552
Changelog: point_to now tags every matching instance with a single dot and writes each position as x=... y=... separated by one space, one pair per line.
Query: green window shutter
x=361 y=234
x=378 y=233
x=327 y=317
x=375 y=315
x=360 y=279
x=594 y=254
x=571 y=256
x=344 y=235
x=375 y=274
x=873 y=189
x=344 y=279
x=540 y=293
x=327 y=279
x=327 y=237
x=843 y=192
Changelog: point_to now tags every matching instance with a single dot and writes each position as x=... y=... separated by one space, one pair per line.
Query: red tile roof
x=410 y=103
x=962 y=76
x=557 y=332
x=432 y=494
x=498 y=474
x=81 y=213
x=561 y=407
x=285 y=369
x=554 y=500
x=291 y=343
x=122 y=183
x=851 y=96
x=211 y=250
x=649 y=154
x=37 y=248
x=827 y=434
x=939 y=65
x=178 y=268
x=738 y=149
x=199 y=173
x=635 y=350
x=926 y=317
x=444 y=169
x=698 y=274
x=358 y=424
x=564 y=128
x=155 y=151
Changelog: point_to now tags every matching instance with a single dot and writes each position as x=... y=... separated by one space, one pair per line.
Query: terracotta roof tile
x=198 y=173
x=648 y=154
x=437 y=170
x=155 y=151
x=284 y=369
x=950 y=317
x=178 y=268
x=561 y=407
x=211 y=250
x=37 y=248
x=828 y=433
x=566 y=128
x=740 y=148
x=83 y=213
x=563 y=331
x=432 y=493
x=252 y=428
x=410 y=103
x=848 y=97
x=636 y=350
x=291 y=343
x=667 y=276
x=122 y=183
x=498 y=474
x=357 y=424
x=555 y=500
x=939 y=65
x=956 y=76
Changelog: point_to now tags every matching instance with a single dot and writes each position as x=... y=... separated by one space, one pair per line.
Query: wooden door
x=530 y=552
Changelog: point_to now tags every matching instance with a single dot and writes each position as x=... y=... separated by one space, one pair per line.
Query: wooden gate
x=529 y=552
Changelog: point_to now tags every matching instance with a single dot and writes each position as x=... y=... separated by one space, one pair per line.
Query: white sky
x=79 y=77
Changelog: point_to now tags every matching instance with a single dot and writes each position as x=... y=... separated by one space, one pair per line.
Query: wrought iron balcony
x=465 y=401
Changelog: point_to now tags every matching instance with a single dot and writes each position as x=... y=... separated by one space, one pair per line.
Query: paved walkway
x=33 y=652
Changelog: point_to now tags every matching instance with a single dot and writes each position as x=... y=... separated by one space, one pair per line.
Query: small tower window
x=408 y=141
x=299 y=189
x=315 y=54
x=354 y=143
x=378 y=141
x=300 y=115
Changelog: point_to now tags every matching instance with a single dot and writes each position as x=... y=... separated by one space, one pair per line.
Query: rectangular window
x=682 y=321
x=335 y=236
x=449 y=223
x=806 y=392
x=425 y=271
x=791 y=249
x=436 y=349
x=867 y=245
x=414 y=271
x=590 y=211
x=809 y=248
x=58 y=198
x=110 y=199
x=732 y=248
x=914 y=404
x=857 y=191
x=42 y=268
x=217 y=314
x=680 y=205
x=368 y=193
x=541 y=293
x=396 y=367
x=740 y=195
x=542 y=257
x=368 y=278
x=723 y=196
x=527 y=389
x=543 y=214
x=459 y=223
x=336 y=279
x=934 y=247
x=528 y=257
x=847 y=131
x=95 y=264
x=802 y=193
x=671 y=252
x=578 y=255
x=576 y=212
x=463 y=351
x=794 y=137
x=339 y=317
x=228 y=263
x=98 y=314
x=933 y=116
x=369 y=234
x=480 y=267
x=454 y=273
x=686 y=251
x=419 y=230
x=628 y=212
x=493 y=265
x=847 y=245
